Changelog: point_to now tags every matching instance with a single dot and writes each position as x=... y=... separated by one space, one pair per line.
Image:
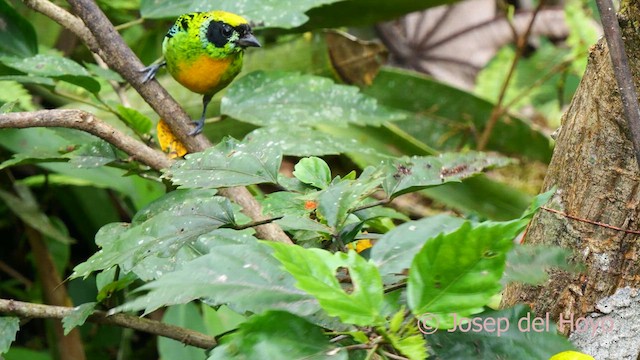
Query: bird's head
x=229 y=32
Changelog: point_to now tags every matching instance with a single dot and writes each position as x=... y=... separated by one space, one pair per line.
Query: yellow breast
x=203 y=75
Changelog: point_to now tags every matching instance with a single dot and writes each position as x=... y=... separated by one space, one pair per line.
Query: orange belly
x=203 y=76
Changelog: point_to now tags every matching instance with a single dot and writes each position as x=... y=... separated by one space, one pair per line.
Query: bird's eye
x=226 y=30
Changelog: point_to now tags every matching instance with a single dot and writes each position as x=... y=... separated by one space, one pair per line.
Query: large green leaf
x=185 y=316
x=412 y=174
x=315 y=269
x=237 y=271
x=9 y=327
x=230 y=163
x=447 y=118
x=313 y=171
x=17 y=35
x=277 y=335
x=394 y=251
x=25 y=207
x=272 y=13
x=271 y=98
x=520 y=341
x=56 y=67
x=162 y=229
x=77 y=317
x=457 y=273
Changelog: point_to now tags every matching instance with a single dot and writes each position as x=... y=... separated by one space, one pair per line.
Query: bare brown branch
x=185 y=336
x=81 y=120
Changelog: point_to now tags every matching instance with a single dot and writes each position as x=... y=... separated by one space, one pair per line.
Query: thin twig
x=590 y=221
x=521 y=43
x=393 y=356
x=621 y=71
x=256 y=223
x=185 y=336
x=81 y=120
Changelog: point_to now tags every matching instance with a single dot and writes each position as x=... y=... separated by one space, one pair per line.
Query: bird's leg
x=151 y=70
x=200 y=122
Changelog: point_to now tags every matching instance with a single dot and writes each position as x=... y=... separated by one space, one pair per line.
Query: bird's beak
x=248 y=40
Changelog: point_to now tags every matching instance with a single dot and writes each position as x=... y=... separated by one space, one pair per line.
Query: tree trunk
x=596 y=177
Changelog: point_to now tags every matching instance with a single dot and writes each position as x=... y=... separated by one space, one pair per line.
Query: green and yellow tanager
x=203 y=52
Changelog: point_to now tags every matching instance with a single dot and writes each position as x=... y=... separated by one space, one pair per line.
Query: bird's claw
x=151 y=71
x=199 y=125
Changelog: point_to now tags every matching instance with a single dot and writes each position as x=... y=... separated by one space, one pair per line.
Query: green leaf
x=447 y=118
x=315 y=269
x=139 y=123
x=313 y=171
x=340 y=198
x=237 y=271
x=230 y=163
x=306 y=141
x=162 y=229
x=521 y=341
x=277 y=335
x=272 y=98
x=13 y=91
x=18 y=353
x=529 y=264
x=415 y=173
x=25 y=207
x=9 y=327
x=17 y=35
x=395 y=250
x=457 y=273
x=272 y=13
x=185 y=316
x=56 y=67
x=77 y=317
x=92 y=155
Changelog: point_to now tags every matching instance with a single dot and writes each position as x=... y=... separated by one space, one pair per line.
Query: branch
x=622 y=72
x=81 y=120
x=122 y=59
x=185 y=336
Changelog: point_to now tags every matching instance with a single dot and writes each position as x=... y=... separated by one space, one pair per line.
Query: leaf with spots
x=420 y=172
x=272 y=13
x=281 y=98
x=55 y=67
x=77 y=317
x=458 y=272
x=237 y=270
x=230 y=163
x=159 y=231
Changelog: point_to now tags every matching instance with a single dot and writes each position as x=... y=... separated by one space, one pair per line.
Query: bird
x=203 y=52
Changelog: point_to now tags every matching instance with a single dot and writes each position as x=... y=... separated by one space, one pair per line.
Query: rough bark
x=596 y=176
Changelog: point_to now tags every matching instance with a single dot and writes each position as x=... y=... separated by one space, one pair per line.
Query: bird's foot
x=151 y=71
x=199 y=125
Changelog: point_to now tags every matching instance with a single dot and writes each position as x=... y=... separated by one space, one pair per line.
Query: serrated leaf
x=17 y=35
x=420 y=172
x=106 y=74
x=277 y=335
x=519 y=341
x=77 y=317
x=285 y=203
x=139 y=123
x=315 y=269
x=529 y=264
x=54 y=66
x=271 y=98
x=240 y=272
x=230 y=163
x=92 y=155
x=9 y=327
x=293 y=223
x=336 y=201
x=458 y=272
x=271 y=13
x=27 y=210
x=395 y=250
x=161 y=230
x=313 y=171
